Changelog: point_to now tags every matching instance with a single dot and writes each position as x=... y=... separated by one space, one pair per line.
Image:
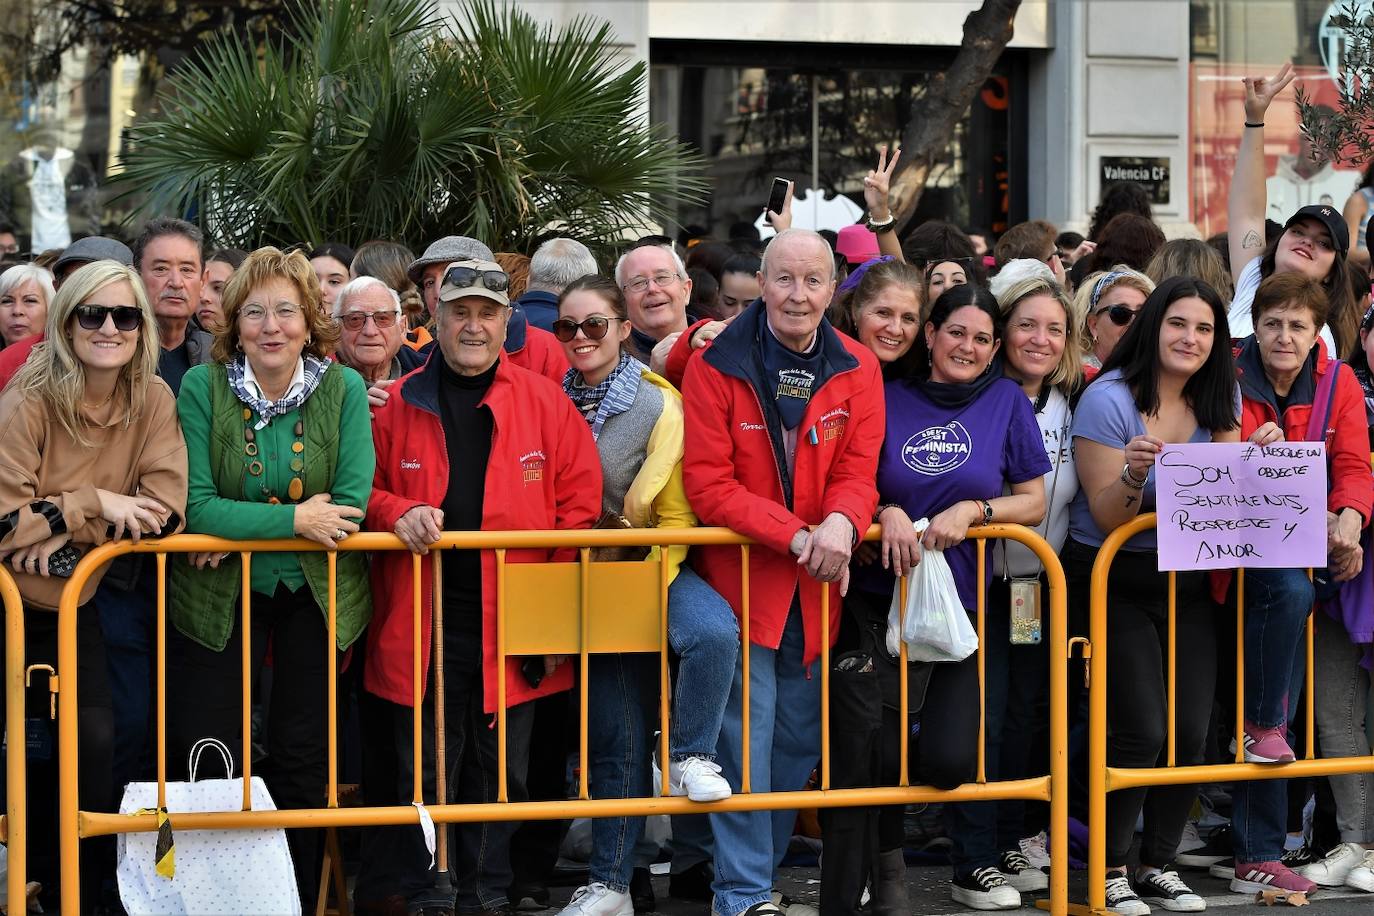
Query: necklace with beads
x=296 y=488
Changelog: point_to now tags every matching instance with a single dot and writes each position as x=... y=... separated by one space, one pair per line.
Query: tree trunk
x=935 y=112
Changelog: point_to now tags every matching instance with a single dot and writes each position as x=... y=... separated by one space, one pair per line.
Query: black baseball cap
x=1329 y=217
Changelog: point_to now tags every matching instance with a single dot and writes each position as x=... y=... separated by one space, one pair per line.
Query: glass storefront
x=1231 y=39
x=816 y=115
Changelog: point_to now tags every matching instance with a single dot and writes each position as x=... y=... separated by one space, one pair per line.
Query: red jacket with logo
x=538 y=351
x=736 y=475
x=543 y=472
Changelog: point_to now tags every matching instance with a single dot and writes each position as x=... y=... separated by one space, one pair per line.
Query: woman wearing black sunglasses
x=90 y=451
x=1105 y=306
x=636 y=419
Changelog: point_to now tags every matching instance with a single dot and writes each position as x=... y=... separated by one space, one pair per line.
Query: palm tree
x=379 y=119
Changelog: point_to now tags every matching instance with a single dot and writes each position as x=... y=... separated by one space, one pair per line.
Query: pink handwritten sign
x=1230 y=505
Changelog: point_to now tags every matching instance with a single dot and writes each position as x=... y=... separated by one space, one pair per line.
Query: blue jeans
x=784 y=745
x=1276 y=606
x=128 y=621
x=1277 y=602
x=622 y=713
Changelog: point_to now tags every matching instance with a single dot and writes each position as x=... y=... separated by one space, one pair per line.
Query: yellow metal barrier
x=1103 y=779
x=528 y=623
x=15 y=828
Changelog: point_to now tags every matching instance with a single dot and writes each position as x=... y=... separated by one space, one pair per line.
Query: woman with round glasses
x=1105 y=306
x=636 y=420
x=279 y=445
x=90 y=451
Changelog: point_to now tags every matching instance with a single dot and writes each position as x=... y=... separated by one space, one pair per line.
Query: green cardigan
x=227 y=502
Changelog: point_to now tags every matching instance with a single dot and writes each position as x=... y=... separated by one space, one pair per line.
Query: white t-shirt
x=1061 y=484
x=1238 y=316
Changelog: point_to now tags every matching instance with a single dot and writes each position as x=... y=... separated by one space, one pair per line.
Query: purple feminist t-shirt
x=935 y=456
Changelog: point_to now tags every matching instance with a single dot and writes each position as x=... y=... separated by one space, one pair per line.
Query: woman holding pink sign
x=1170 y=379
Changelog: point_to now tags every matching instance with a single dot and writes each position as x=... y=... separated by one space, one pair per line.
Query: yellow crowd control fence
x=1103 y=779
x=576 y=609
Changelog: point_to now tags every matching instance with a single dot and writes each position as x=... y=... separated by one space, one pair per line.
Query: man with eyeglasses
x=372 y=331
x=470 y=441
x=657 y=291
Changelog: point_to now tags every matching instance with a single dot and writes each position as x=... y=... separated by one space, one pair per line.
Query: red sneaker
x=1254 y=877
x=1266 y=745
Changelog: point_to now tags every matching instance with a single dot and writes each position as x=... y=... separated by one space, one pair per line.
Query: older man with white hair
x=555 y=264
x=372 y=331
x=784 y=423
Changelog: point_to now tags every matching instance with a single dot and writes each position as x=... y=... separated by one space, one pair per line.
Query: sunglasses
x=354 y=321
x=595 y=327
x=463 y=277
x=92 y=317
x=1119 y=314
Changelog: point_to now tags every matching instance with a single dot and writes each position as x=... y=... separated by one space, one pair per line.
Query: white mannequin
x=47 y=167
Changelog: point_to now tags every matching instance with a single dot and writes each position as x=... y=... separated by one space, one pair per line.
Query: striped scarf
x=265 y=409
x=614 y=394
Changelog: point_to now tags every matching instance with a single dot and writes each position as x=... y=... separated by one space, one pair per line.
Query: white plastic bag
x=936 y=627
x=217 y=871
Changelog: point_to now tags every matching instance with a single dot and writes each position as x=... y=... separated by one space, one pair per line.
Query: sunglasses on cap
x=595 y=327
x=460 y=277
x=92 y=317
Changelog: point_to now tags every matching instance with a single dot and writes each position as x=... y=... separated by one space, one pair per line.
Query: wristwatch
x=1129 y=479
x=987 y=512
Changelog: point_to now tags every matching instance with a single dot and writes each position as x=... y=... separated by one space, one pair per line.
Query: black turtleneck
x=467 y=440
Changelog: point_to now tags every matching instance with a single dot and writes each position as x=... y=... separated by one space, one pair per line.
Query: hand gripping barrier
x=543 y=608
x=1103 y=778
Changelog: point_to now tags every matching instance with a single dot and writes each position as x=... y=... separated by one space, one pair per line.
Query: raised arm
x=1247 y=201
x=876 y=185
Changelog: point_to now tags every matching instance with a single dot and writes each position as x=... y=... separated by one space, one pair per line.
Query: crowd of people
x=795 y=393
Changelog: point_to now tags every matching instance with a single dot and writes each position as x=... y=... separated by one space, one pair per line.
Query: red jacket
x=537 y=350
x=15 y=355
x=1347 y=432
x=543 y=472
x=734 y=472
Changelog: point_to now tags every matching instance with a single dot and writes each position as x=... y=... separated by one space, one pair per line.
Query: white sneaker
x=1361 y=877
x=792 y=907
x=1122 y=898
x=1332 y=870
x=1036 y=849
x=697 y=778
x=597 y=899
x=985 y=889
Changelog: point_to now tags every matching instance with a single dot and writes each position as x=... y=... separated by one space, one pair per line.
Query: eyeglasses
x=463 y=277
x=285 y=311
x=1120 y=315
x=661 y=279
x=92 y=317
x=595 y=327
x=354 y=321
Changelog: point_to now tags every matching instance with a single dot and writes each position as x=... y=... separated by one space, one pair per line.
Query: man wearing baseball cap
x=529 y=347
x=471 y=441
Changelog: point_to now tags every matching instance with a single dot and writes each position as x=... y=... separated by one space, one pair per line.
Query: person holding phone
x=90 y=451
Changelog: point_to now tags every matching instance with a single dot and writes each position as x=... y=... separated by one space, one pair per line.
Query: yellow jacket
x=656 y=498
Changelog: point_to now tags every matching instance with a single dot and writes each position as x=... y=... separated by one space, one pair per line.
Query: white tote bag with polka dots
x=215 y=871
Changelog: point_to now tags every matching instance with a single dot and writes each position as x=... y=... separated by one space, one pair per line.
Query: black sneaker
x=985 y=889
x=1298 y=858
x=693 y=884
x=1122 y=898
x=1216 y=846
x=1225 y=869
x=529 y=898
x=1020 y=874
x=1163 y=888
x=642 y=891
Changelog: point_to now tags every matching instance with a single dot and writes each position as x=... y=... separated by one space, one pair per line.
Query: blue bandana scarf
x=265 y=409
x=614 y=394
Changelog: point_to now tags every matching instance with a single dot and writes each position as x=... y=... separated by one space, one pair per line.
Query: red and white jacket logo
x=532 y=467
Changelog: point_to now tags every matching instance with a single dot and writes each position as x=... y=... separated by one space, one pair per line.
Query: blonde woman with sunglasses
x=1105 y=306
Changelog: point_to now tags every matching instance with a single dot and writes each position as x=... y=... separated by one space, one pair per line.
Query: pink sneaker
x=1266 y=745
x=1254 y=877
